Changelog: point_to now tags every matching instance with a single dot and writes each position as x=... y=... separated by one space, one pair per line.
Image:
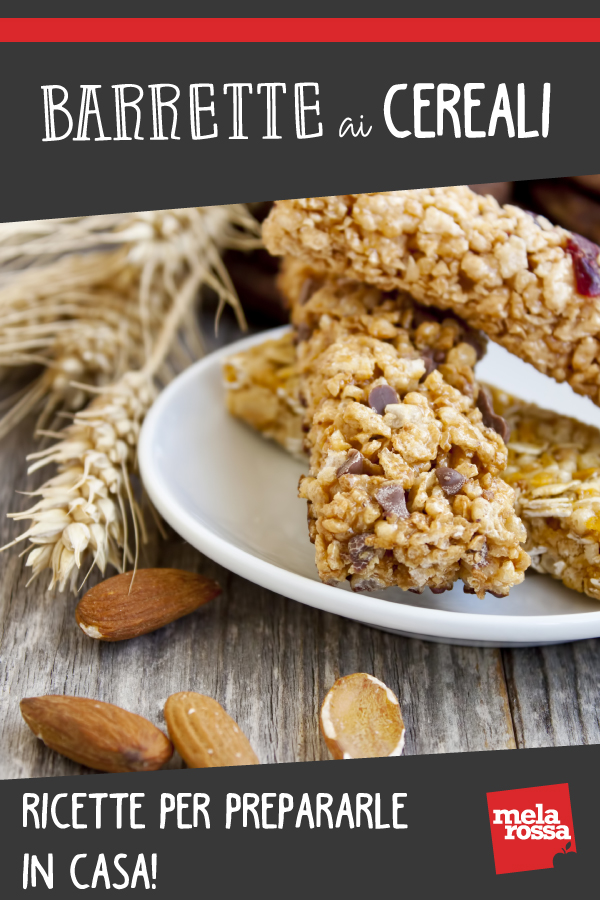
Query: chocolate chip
x=439 y=590
x=354 y=464
x=450 y=480
x=475 y=340
x=480 y=557
x=392 y=499
x=368 y=584
x=499 y=596
x=360 y=553
x=432 y=359
x=302 y=333
x=584 y=254
x=381 y=396
x=468 y=590
x=427 y=357
x=421 y=314
x=309 y=287
x=490 y=418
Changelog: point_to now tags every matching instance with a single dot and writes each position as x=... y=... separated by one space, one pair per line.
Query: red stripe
x=299 y=30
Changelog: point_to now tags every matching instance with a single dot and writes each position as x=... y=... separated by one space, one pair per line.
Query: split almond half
x=96 y=734
x=360 y=717
x=116 y=610
x=204 y=735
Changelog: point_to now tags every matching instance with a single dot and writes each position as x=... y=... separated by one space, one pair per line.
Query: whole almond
x=96 y=734
x=360 y=717
x=204 y=735
x=116 y=610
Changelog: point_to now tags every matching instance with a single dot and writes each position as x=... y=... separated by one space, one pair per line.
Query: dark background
x=446 y=849
x=72 y=178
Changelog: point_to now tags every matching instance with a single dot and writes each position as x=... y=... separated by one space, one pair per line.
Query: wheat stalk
x=109 y=323
x=90 y=316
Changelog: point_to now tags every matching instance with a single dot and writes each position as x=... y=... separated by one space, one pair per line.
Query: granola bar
x=262 y=389
x=554 y=467
x=530 y=286
x=403 y=486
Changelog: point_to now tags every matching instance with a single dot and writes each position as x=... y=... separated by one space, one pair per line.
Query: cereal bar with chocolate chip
x=530 y=286
x=262 y=389
x=403 y=486
x=554 y=468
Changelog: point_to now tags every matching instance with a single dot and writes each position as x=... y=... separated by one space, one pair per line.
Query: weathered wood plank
x=554 y=694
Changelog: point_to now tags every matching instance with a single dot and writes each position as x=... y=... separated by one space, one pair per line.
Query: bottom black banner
x=483 y=824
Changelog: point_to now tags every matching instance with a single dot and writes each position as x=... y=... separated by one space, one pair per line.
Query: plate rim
x=440 y=624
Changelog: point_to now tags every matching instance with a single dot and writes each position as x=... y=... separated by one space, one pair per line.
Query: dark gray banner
x=469 y=113
x=423 y=829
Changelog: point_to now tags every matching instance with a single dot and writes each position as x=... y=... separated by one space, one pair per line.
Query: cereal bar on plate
x=530 y=286
x=403 y=486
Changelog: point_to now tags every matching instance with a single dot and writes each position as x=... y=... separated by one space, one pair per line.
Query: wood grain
x=270 y=661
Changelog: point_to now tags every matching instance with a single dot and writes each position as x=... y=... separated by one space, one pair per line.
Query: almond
x=361 y=717
x=116 y=610
x=204 y=735
x=96 y=734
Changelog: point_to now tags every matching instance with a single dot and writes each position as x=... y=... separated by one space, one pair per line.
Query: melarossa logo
x=539 y=825
x=530 y=827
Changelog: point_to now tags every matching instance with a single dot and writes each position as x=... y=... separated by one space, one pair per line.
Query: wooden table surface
x=269 y=661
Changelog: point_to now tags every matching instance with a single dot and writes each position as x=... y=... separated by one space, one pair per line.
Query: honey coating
x=503 y=270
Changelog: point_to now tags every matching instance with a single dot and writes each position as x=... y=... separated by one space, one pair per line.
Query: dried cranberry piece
x=584 y=254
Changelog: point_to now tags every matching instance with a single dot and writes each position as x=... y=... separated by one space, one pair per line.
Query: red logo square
x=532 y=828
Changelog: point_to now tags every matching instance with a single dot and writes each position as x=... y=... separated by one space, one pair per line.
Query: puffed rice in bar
x=530 y=286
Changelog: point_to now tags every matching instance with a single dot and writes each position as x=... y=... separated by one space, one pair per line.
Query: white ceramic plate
x=232 y=495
